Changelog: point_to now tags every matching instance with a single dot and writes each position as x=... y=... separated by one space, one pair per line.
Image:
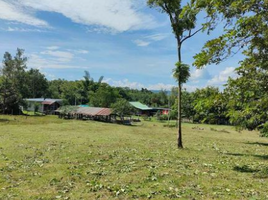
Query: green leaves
x=13 y=82
x=245 y=28
x=181 y=73
x=210 y=106
x=183 y=19
x=67 y=109
x=214 y=51
x=122 y=107
x=246 y=25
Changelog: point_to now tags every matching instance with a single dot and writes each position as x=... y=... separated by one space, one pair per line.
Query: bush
x=163 y=117
x=264 y=130
x=173 y=114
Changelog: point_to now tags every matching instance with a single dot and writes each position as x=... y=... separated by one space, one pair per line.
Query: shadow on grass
x=258 y=173
x=4 y=120
x=264 y=157
x=32 y=116
x=257 y=143
x=245 y=169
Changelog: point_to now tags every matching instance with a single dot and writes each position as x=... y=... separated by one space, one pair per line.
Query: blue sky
x=123 y=40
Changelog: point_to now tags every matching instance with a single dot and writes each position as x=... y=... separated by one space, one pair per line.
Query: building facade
x=42 y=105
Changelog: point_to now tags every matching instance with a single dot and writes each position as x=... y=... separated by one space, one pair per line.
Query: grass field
x=49 y=158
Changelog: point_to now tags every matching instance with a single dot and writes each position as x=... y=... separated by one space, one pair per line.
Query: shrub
x=264 y=130
x=163 y=117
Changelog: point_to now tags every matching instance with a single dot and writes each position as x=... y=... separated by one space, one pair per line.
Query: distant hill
x=157 y=91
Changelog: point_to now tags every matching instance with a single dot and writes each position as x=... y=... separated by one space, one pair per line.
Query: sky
x=128 y=43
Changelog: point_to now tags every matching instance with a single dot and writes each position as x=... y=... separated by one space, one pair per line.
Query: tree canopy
x=246 y=30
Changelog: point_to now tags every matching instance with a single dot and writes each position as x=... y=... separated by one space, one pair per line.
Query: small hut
x=86 y=113
x=42 y=105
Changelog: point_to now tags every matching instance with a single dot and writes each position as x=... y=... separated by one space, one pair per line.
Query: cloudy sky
x=123 y=40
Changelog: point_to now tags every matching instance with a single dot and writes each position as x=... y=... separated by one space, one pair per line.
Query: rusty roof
x=48 y=102
x=93 y=111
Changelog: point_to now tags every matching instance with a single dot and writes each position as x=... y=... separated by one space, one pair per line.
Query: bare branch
x=191 y=35
x=166 y=9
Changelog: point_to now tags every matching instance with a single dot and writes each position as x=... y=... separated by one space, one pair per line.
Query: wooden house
x=42 y=105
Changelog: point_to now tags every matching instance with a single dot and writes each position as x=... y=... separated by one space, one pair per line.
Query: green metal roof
x=83 y=106
x=140 y=106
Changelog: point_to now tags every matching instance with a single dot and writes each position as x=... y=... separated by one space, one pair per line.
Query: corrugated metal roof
x=48 y=102
x=43 y=99
x=140 y=106
x=93 y=111
x=161 y=108
x=83 y=106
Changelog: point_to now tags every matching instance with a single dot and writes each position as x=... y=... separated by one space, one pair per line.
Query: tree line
x=18 y=83
x=242 y=103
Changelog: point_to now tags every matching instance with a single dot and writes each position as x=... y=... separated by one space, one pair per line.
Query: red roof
x=92 y=111
x=48 y=102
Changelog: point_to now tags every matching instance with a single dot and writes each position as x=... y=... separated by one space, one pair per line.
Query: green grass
x=50 y=158
x=31 y=113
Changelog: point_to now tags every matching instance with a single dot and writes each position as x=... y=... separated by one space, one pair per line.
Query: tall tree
x=187 y=105
x=183 y=23
x=248 y=98
x=210 y=106
x=87 y=82
x=55 y=88
x=246 y=30
x=37 y=84
x=13 y=82
x=70 y=93
x=105 y=96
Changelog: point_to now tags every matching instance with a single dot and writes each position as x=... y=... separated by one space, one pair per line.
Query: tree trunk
x=179 y=118
x=180 y=146
x=4 y=97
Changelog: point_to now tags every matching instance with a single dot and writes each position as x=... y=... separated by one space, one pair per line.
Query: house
x=42 y=105
x=142 y=109
x=163 y=111
x=146 y=110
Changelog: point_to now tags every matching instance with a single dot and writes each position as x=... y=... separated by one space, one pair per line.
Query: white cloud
x=17 y=29
x=101 y=29
x=52 y=51
x=116 y=15
x=192 y=88
x=147 y=40
x=141 y=43
x=200 y=74
x=13 y=11
x=161 y=86
x=52 y=59
x=39 y=62
x=157 y=37
x=223 y=76
x=137 y=85
x=53 y=48
x=157 y=86
x=124 y=83
x=80 y=51
x=61 y=56
x=50 y=76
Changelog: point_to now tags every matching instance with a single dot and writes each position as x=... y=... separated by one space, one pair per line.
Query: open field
x=49 y=158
